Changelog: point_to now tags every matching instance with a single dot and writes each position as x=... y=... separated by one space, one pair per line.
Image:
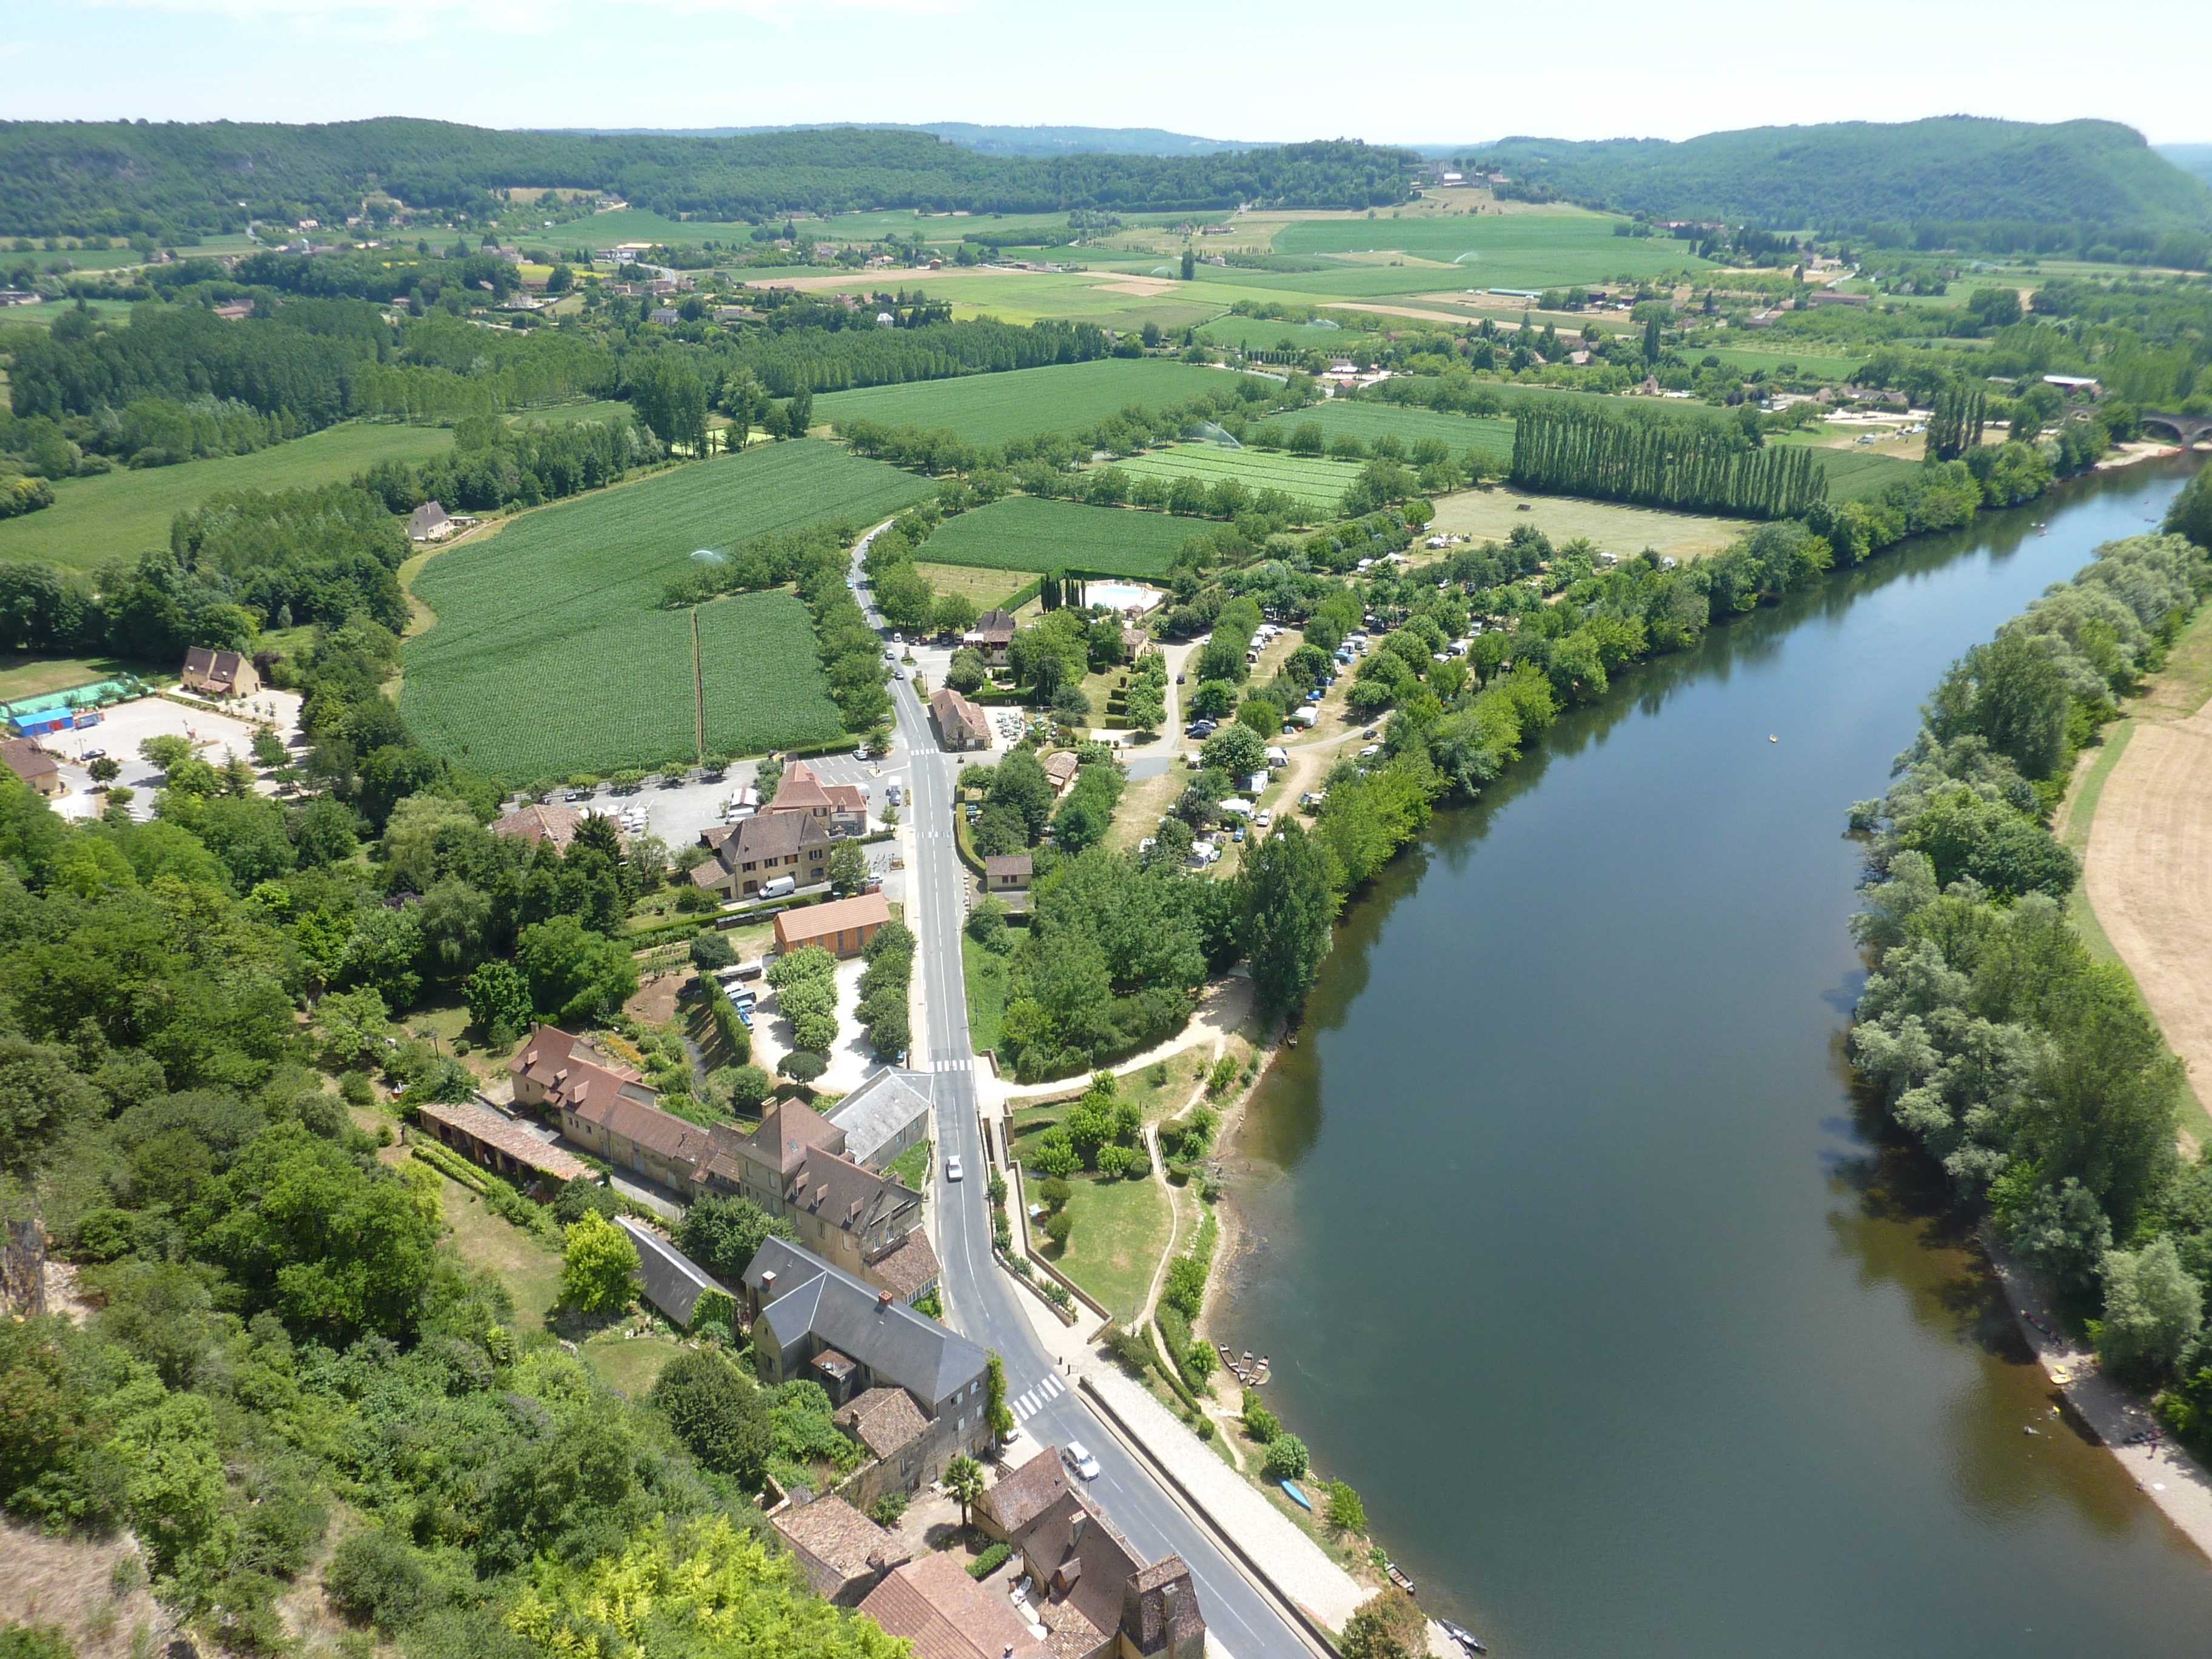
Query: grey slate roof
x=874 y=1114
x=673 y=1281
x=897 y=1344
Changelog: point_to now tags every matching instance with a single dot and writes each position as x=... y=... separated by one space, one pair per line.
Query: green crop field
x=1344 y=417
x=1492 y=250
x=121 y=514
x=1256 y=334
x=548 y=657
x=989 y=409
x=1853 y=474
x=1824 y=365
x=1321 y=483
x=1027 y=532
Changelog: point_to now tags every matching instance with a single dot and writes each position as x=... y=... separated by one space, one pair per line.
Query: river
x=1575 y=1252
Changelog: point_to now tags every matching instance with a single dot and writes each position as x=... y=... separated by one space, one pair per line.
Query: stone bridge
x=2187 y=428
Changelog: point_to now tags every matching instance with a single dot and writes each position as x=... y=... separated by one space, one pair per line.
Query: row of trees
x=1701 y=467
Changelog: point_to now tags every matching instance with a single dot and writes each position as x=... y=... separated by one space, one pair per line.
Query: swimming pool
x=1121 y=596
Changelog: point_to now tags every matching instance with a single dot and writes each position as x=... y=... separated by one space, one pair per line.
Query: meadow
x=1257 y=334
x=1321 y=483
x=1853 y=474
x=1547 y=249
x=1821 y=365
x=1344 y=417
x=548 y=656
x=1029 y=532
x=989 y=409
x=123 y=513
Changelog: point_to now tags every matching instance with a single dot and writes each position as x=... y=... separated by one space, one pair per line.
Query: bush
x=38 y=1640
x=1343 y=1511
x=1139 y=1168
x=1262 y=1424
x=749 y=1086
x=718 y=1414
x=989 y=1561
x=1287 y=1458
x=887 y=1510
x=376 y=1578
x=356 y=1090
x=581 y=1198
x=1054 y=1194
x=1057 y=1227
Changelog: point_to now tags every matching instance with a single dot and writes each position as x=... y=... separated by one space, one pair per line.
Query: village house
x=843 y=1554
x=840 y=808
x=842 y=927
x=880 y=1120
x=1007 y=873
x=864 y=1347
x=794 y=1166
x=606 y=1108
x=760 y=848
x=960 y=723
x=430 y=523
x=943 y=1613
x=1061 y=766
x=220 y=674
x=541 y=822
x=993 y=633
x=1094 y=1593
x=33 y=765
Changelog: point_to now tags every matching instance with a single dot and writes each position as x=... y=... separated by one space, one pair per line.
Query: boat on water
x=1297 y=1497
x=1398 y=1578
x=1468 y=1642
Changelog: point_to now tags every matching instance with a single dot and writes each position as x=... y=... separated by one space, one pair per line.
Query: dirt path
x=2148 y=869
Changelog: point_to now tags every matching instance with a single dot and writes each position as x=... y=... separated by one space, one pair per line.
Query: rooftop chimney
x=883 y=1298
x=767 y=1284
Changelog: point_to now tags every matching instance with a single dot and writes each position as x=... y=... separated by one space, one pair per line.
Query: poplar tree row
x=1672 y=464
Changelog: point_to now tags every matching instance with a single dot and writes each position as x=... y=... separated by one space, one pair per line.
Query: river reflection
x=1636 y=1330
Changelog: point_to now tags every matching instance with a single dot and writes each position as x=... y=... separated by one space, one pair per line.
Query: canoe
x=1297 y=1497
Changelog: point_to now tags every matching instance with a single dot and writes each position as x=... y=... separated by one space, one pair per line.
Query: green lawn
x=1122 y=1228
x=989 y=409
x=985 y=975
x=1030 y=533
x=912 y=1166
x=1539 y=250
x=1853 y=474
x=121 y=514
x=34 y=677
x=629 y=1364
x=529 y=1270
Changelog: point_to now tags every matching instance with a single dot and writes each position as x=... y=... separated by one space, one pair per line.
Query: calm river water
x=1576 y=1254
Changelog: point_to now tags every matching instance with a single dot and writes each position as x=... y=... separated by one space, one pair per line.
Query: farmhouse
x=812 y=1320
x=498 y=1144
x=935 y=1606
x=993 y=633
x=220 y=674
x=960 y=723
x=33 y=765
x=840 y=808
x=842 y=927
x=759 y=849
x=430 y=523
x=541 y=822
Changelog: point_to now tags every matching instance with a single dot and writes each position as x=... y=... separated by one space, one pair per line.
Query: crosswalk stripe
x=1052 y=1388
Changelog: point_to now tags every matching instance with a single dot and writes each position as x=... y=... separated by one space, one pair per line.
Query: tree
x=1388 y=1625
x=1054 y=1193
x=352 y=1024
x=717 y=1412
x=498 y=1000
x=2006 y=851
x=967 y=671
x=1146 y=706
x=1287 y=900
x=2011 y=693
x=105 y=770
x=1060 y=1225
x=848 y=869
x=1343 y=1511
x=1213 y=699
x=749 y=1086
x=2152 y=1307
x=963 y=1480
x=573 y=973
x=1287 y=1458
x=1189 y=264
x=722 y=1234
x=711 y=950
x=325 y=833
x=2190 y=514
x=996 y=1411
x=1019 y=783
x=1236 y=749
x=598 y=1263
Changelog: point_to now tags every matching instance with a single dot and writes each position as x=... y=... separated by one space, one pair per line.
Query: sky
x=1425 y=72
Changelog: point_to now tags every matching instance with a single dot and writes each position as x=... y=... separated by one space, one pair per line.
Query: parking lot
x=124 y=726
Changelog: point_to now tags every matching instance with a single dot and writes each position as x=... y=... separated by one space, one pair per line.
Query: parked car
x=1080 y=1459
x=1373 y=749
x=1264 y=818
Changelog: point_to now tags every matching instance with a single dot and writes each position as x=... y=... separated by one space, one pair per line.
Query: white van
x=780 y=887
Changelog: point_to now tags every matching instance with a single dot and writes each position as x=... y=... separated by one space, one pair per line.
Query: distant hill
x=1030 y=142
x=81 y=177
x=1953 y=169
x=2190 y=158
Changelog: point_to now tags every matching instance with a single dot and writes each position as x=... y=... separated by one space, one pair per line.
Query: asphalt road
x=981 y=1296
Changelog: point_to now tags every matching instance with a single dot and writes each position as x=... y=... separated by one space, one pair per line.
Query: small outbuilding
x=842 y=927
x=33 y=765
x=1005 y=872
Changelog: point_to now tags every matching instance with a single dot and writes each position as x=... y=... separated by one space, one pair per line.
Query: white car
x=952 y=1170
x=1264 y=820
x=1370 y=751
x=1080 y=1459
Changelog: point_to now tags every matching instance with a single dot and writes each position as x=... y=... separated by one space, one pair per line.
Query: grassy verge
x=912 y=1166
x=529 y=1270
x=986 y=976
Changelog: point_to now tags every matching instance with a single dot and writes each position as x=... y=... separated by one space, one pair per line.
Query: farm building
x=220 y=674
x=541 y=822
x=33 y=765
x=498 y=1144
x=960 y=723
x=842 y=927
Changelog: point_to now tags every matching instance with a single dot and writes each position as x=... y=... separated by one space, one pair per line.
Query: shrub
x=1262 y=1423
x=989 y=1561
x=1057 y=1293
x=802 y=1066
x=886 y=1510
x=1057 y=1227
x=749 y=1086
x=1287 y=1458
x=38 y=1640
x=718 y=1412
x=1343 y=1511
x=356 y=1090
x=1138 y=1167
x=376 y=1578
x=714 y=1307
x=1054 y=1194
x=710 y=951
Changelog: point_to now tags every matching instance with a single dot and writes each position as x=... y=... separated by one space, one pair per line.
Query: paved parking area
x=125 y=726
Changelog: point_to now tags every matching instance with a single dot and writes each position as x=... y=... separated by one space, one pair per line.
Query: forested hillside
x=1950 y=169
x=999 y=140
x=2191 y=158
x=75 y=177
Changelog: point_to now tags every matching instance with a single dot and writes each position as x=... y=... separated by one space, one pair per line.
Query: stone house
x=843 y=1554
x=993 y=633
x=33 y=765
x=934 y=1606
x=794 y=1166
x=214 y=674
x=882 y=1118
x=541 y=821
x=758 y=849
x=960 y=723
x=840 y=808
x=498 y=1144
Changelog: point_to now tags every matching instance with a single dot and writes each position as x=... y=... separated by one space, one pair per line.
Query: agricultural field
x=989 y=586
x=120 y=514
x=1853 y=474
x=1258 y=334
x=989 y=409
x=1545 y=249
x=1028 y=532
x=548 y=658
x=1822 y=365
x=1490 y=515
x=1319 y=482
x=1344 y=417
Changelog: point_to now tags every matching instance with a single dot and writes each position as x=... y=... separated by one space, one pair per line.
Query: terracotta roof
x=505 y=1134
x=1024 y=1493
x=788 y=1132
x=541 y=822
x=1084 y=1561
x=26 y=759
x=1009 y=864
x=547 y=1050
x=604 y=1100
x=882 y=1420
x=1060 y=765
x=840 y=1537
x=908 y=1267
x=957 y=717
x=796 y=927
x=946 y=1614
